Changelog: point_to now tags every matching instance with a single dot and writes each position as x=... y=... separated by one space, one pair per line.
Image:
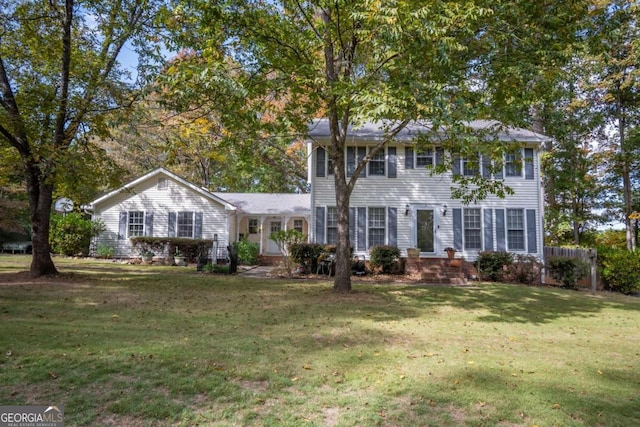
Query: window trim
x=256 y=227
x=129 y=223
x=380 y=159
x=508 y=230
x=465 y=228
x=519 y=158
x=331 y=212
x=472 y=172
x=384 y=227
x=429 y=152
x=193 y=223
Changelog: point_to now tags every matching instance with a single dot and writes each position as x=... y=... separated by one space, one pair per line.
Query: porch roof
x=269 y=203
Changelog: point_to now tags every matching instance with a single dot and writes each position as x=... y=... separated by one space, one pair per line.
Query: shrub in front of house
x=306 y=254
x=384 y=257
x=248 y=252
x=567 y=270
x=525 y=269
x=620 y=270
x=191 y=249
x=493 y=265
x=71 y=234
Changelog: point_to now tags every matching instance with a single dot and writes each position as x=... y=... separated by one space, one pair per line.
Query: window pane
x=377 y=224
x=472 y=229
x=185 y=224
x=376 y=164
x=515 y=229
x=470 y=167
x=512 y=165
x=424 y=158
x=253 y=226
x=136 y=223
x=332 y=225
x=297 y=225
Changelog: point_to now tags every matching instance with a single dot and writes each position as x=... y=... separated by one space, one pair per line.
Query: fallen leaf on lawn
x=115 y=316
x=53 y=375
x=294 y=379
x=306 y=367
x=556 y=406
x=456 y=381
x=471 y=362
x=599 y=371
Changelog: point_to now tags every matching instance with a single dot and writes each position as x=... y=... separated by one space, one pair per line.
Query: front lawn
x=136 y=345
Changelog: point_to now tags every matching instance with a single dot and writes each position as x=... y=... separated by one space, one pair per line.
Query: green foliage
x=611 y=239
x=247 y=252
x=493 y=265
x=189 y=248
x=525 y=269
x=384 y=256
x=567 y=270
x=620 y=269
x=306 y=254
x=285 y=239
x=71 y=234
x=105 y=251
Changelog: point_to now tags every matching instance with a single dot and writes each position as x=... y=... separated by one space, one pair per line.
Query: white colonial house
x=398 y=201
x=162 y=204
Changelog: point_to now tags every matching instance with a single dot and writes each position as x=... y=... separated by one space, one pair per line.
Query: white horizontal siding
x=417 y=187
x=148 y=198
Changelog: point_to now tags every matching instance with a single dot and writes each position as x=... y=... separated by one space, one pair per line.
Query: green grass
x=143 y=345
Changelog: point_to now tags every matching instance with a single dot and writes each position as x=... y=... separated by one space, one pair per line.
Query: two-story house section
x=398 y=201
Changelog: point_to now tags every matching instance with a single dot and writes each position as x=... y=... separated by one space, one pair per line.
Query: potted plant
x=147 y=255
x=413 y=252
x=178 y=257
x=451 y=252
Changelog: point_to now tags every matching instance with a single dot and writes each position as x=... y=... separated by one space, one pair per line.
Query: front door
x=425 y=230
x=274 y=227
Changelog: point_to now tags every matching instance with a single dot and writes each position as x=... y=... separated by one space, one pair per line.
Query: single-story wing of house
x=162 y=204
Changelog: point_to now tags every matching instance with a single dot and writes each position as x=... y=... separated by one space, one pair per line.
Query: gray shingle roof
x=372 y=131
x=269 y=203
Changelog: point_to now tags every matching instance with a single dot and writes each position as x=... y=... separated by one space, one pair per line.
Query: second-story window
x=471 y=167
x=376 y=164
x=424 y=158
x=512 y=165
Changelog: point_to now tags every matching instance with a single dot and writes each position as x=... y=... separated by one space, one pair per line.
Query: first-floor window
x=377 y=222
x=515 y=229
x=185 y=224
x=253 y=225
x=332 y=225
x=297 y=225
x=472 y=229
x=136 y=223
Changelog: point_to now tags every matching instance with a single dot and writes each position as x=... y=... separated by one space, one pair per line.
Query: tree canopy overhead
x=358 y=61
x=59 y=81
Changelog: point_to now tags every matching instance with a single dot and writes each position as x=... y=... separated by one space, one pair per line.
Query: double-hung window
x=424 y=158
x=471 y=167
x=332 y=225
x=515 y=230
x=185 y=224
x=135 y=223
x=253 y=225
x=376 y=164
x=512 y=164
x=377 y=226
x=472 y=229
x=297 y=225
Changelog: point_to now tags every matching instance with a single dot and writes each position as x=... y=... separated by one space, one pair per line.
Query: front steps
x=440 y=270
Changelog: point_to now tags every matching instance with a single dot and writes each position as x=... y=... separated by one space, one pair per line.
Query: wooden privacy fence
x=588 y=255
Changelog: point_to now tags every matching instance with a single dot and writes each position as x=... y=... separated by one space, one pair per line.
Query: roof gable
x=156 y=173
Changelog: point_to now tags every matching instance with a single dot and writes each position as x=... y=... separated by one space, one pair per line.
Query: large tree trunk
x=40 y=200
x=342 y=281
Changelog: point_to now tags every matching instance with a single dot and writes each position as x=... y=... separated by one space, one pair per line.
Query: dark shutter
x=488 y=230
x=362 y=229
x=172 y=224
x=408 y=157
x=439 y=156
x=362 y=153
x=532 y=235
x=455 y=165
x=122 y=225
x=351 y=160
x=528 y=163
x=457 y=229
x=148 y=223
x=393 y=226
x=321 y=155
x=392 y=161
x=352 y=226
x=320 y=224
x=501 y=243
x=486 y=166
x=197 y=228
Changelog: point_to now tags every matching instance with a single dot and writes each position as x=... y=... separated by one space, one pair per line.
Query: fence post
x=594 y=271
